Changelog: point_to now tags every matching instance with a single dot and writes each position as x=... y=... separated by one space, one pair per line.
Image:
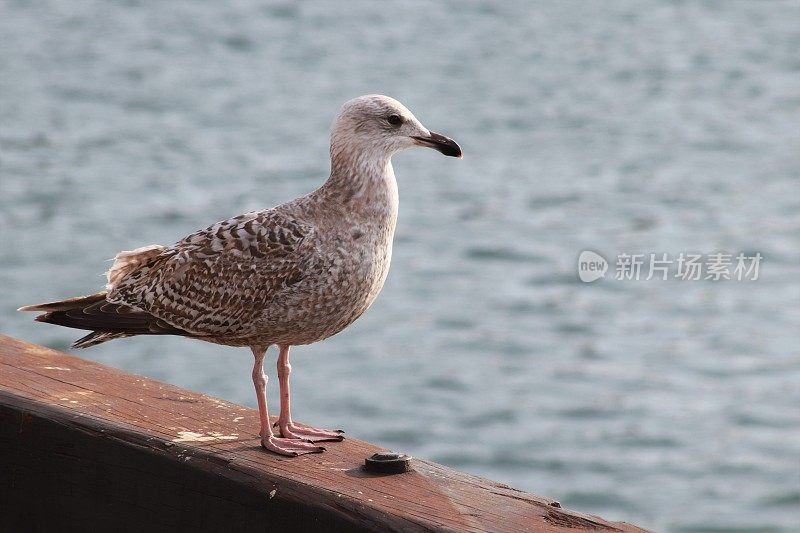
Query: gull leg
x=287 y=427
x=290 y=447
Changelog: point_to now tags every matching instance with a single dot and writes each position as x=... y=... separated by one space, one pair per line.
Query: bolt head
x=388 y=463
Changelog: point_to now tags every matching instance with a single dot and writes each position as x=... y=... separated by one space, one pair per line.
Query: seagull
x=291 y=275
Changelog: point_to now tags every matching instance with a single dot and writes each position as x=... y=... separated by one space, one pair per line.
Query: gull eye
x=394 y=120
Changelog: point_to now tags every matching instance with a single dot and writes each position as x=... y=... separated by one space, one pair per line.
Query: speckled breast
x=333 y=294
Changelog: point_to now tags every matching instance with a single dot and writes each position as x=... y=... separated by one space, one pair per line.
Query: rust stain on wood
x=157 y=441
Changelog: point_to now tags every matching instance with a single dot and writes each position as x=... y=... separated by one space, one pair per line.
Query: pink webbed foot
x=290 y=447
x=292 y=431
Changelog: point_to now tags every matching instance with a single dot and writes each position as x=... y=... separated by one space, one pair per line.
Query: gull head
x=380 y=125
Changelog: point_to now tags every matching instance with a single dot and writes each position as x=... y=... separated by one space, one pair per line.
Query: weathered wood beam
x=84 y=446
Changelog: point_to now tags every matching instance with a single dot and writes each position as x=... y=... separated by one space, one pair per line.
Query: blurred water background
x=619 y=127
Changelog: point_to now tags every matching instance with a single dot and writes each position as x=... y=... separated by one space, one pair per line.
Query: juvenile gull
x=294 y=274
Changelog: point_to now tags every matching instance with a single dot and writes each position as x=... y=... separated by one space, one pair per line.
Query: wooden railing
x=87 y=447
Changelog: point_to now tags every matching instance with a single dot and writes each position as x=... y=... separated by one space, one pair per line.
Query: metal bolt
x=388 y=463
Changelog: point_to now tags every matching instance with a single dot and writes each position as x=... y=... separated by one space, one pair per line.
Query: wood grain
x=84 y=446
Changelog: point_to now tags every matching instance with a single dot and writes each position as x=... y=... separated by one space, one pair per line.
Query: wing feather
x=217 y=281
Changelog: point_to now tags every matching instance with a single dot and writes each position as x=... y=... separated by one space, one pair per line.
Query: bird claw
x=290 y=447
x=291 y=431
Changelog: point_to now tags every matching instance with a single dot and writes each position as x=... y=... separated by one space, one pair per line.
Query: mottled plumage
x=293 y=274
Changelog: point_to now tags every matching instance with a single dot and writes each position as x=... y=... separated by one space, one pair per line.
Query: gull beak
x=444 y=144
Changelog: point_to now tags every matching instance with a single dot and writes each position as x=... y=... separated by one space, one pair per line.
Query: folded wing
x=216 y=281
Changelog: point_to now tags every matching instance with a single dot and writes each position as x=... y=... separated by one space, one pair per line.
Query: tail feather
x=98 y=337
x=106 y=320
x=64 y=305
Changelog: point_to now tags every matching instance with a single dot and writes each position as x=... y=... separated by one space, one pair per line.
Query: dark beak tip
x=445 y=145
